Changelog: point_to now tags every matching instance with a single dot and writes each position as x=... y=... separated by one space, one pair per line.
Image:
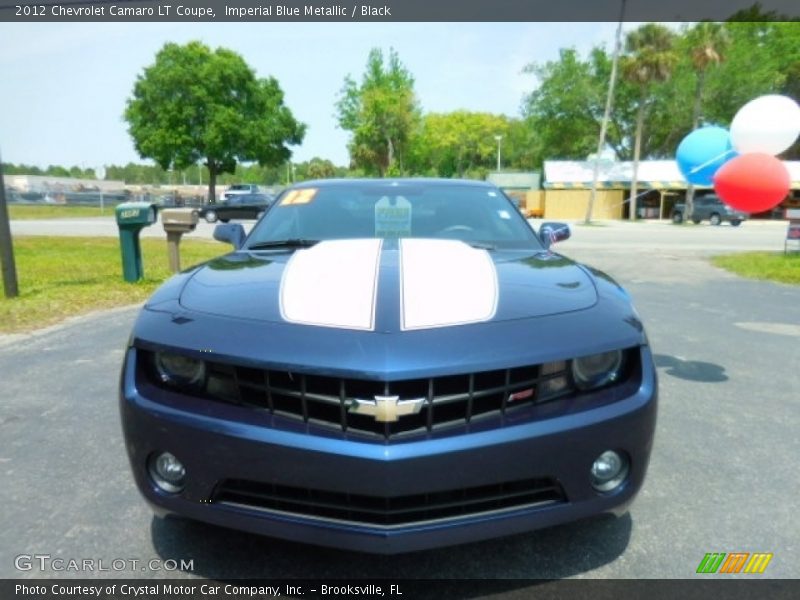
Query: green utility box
x=132 y=217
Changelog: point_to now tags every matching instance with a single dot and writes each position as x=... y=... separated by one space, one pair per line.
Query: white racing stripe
x=445 y=282
x=332 y=284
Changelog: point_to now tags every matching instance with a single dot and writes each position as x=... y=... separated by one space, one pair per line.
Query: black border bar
x=703 y=587
x=388 y=10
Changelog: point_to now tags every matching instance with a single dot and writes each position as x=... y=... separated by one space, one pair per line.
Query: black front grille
x=389 y=511
x=344 y=403
x=414 y=405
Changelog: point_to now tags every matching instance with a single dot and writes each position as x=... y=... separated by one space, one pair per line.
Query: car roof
x=367 y=182
x=247 y=195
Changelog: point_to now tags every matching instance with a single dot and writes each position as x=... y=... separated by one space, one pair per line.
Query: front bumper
x=219 y=443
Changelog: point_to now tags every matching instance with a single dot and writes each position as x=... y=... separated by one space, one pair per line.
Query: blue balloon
x=702 y=152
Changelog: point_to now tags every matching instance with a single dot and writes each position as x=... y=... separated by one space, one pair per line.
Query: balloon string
x=711 y=161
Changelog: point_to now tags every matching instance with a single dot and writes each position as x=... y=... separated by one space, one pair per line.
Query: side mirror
x=233 y=233
x=550 y=233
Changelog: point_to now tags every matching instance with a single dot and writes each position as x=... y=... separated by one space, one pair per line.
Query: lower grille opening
x=389 y=511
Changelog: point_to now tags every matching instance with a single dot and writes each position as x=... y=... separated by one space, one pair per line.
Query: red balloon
x=752 y=182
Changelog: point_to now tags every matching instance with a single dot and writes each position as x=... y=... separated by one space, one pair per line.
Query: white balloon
x=768 y=124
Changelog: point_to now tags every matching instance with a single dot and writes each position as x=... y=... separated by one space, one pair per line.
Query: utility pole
x=9 y=267
x=606 y=114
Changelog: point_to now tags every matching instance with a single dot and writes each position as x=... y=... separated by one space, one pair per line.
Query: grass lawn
x=773 y=266
x=56 y=211
x=64 y=276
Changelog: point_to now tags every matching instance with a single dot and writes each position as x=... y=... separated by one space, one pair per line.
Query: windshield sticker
x=299 y=197
x=492 y=194
x=504 y=214
x=392 y=217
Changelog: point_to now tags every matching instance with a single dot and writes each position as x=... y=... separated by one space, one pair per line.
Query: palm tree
x=707 y=43
x=650 y=59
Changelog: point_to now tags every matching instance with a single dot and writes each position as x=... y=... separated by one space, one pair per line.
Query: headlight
x=597 y=370
x=177 y=369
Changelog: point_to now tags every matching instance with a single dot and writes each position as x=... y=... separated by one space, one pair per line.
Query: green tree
x=764 y=58
x=134 y=174
x=707 y=43
x=522 y=149
x=566 y=108
x=59 y=171
x=760 y=58
x=194 y=104
x=450 y=144
x=76 y=172
x=650 y=59
x=319 y=168
x=750 y=69
x=380 y=113
x=22 y=169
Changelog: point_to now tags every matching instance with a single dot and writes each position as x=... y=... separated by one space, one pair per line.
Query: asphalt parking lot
x=722 y=475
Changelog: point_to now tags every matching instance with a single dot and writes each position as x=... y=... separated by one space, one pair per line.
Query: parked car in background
x=709 y=208
x=387 y=366
x=240 y=189
x=240 y=206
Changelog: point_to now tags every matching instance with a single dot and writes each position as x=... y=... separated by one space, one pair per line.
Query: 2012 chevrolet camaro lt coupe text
x=388 y=366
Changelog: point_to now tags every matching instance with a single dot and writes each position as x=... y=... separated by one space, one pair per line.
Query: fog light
x=167 y=472
x=609 y=470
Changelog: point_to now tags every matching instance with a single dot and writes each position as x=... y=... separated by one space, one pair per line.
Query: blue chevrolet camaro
x=388 y=366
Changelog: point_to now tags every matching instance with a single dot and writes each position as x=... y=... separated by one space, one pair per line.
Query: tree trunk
x=696 y=111
x=698 y=98
x=212 y=182
x=637 y=147
x=390 y=153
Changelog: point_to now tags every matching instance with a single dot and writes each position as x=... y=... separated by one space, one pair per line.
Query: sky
x=63 y=86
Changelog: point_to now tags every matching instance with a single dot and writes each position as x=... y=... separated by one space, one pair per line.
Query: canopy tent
x=653 y=174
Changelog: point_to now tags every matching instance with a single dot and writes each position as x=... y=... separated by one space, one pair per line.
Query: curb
x=8 y=339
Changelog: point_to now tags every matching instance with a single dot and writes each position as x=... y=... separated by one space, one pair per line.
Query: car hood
x=388 y=286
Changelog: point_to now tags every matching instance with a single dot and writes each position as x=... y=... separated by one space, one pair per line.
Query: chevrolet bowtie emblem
x=387 y=409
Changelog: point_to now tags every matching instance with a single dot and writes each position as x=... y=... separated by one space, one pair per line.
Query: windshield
x=473 y=214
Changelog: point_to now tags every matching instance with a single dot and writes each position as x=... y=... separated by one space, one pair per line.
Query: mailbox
x=132 y=217
x=176 y=222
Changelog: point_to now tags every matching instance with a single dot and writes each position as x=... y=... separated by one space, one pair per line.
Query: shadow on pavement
x=691 y=370
x=553 y=553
